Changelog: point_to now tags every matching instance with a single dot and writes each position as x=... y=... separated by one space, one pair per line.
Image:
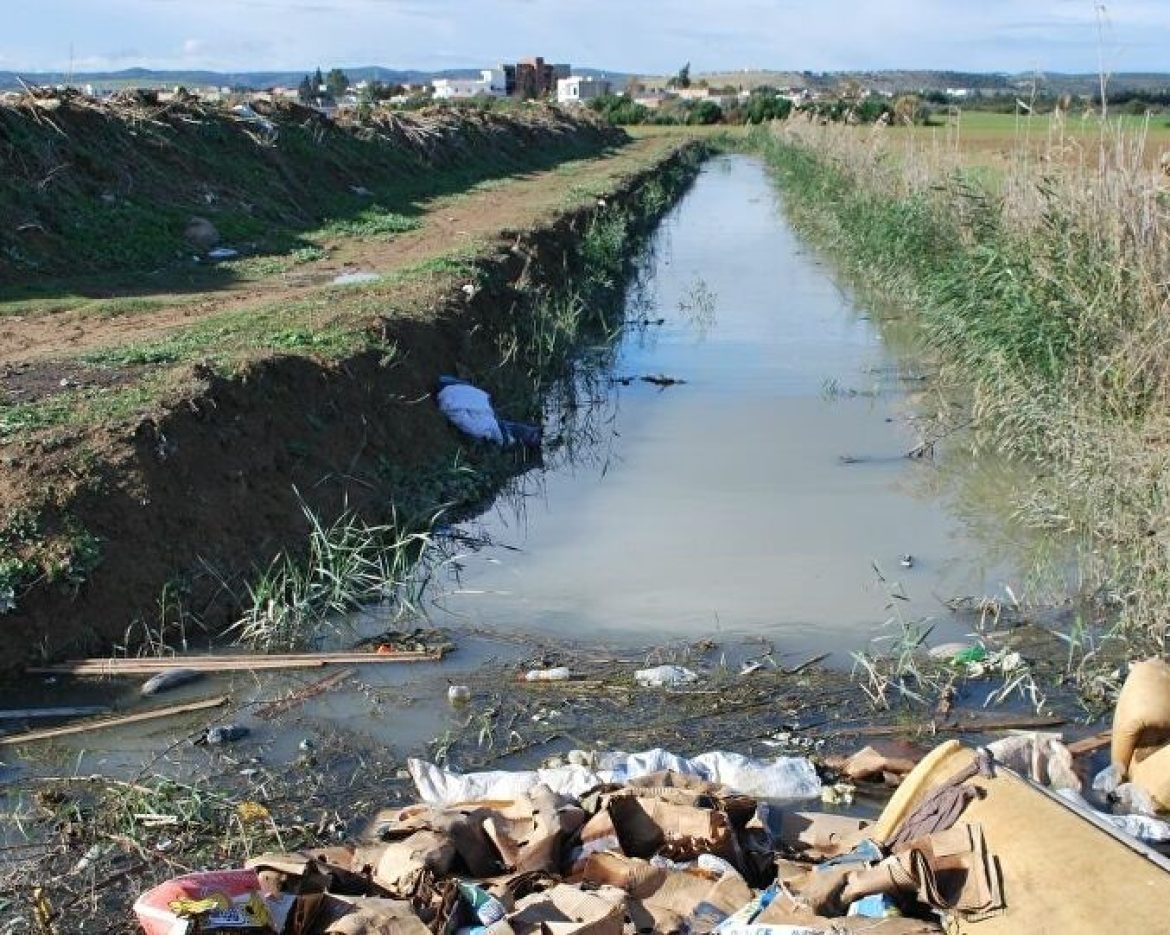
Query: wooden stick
x=969 y=726
x=804 y=665
x=87 y=726
x=1091 y=743
x=21 y=714
x=229 y=663
x=301 y=695
x=569 y=685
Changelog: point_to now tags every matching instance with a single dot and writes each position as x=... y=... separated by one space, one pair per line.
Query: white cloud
x=645 y=36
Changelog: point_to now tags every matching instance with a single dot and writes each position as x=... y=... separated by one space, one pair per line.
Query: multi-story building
x=534 y=77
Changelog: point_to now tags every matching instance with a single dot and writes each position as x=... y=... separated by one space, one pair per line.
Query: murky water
x=762 y=496
x=768 y=496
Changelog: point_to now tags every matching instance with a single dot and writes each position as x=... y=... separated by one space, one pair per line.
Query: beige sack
x=1141 y=721
x=1153 y=775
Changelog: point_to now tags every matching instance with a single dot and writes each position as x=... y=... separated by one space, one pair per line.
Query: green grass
x=260 y=267
x=60 y=553
x=124 y=306
x=294 y=603
x=371 y=222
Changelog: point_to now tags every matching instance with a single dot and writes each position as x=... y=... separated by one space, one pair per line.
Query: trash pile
x=991 y=840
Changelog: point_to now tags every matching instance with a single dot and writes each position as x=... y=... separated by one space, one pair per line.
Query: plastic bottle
x=559 y=674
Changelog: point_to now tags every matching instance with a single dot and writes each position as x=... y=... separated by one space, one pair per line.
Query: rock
x=171 y=678
x=201 y=233
x=227 y=733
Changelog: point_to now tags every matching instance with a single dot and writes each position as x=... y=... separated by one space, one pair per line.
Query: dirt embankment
x=164 y=518
x=127 y=189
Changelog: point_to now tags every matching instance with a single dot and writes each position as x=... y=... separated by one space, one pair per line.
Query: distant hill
x=255 y=80
x=889 y=81
x=897 y=82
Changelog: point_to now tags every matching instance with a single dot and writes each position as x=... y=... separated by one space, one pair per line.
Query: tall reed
x=296 y=602
x=1043 y=286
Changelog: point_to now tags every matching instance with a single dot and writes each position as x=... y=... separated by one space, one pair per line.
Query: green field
x=990 y=138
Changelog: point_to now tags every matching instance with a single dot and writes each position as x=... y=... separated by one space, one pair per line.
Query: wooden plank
x=229 y=662
x=87 y=726
x=29 y=714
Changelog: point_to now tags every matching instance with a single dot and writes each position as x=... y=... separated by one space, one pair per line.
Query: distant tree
x=306 y=91
x=851 y=90
x=619 y=109
x=705 y=112
x=635 y=85
x=765 y=103
x=337 y=82
x=379 y=91
x=682 y=79
x=871 y=109
x=318 y=80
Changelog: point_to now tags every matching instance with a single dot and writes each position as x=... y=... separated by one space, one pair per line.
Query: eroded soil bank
x=149 y=474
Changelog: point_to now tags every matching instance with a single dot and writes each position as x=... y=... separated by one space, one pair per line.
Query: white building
x=491 y=83
x=578 y=89
x=652 y=100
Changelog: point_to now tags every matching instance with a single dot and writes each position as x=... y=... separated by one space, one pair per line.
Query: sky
x=639 y=36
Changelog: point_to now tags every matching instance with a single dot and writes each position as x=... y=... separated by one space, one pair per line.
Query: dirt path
x=481 y=215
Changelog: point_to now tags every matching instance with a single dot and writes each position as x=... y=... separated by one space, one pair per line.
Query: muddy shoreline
x=88 y=830
x=196 y=498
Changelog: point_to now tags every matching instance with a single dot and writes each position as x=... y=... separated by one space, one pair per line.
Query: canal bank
x=151 y=480
x=748 y=508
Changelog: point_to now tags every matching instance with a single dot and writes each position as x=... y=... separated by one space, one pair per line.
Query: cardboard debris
x=1044 y=850
x=887 y=761
x=403 y=863
x=673 y=853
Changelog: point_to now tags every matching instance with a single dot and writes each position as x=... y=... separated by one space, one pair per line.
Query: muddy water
x=768 y=495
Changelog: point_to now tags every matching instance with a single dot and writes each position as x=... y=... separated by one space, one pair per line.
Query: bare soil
x=471 y=220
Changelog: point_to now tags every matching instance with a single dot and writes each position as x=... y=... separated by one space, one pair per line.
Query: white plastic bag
x=470 y=410
x=1143 y=827
x=789 y=778
x=665 y=676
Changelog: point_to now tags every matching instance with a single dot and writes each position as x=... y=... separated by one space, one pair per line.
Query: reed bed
x=1043 y=287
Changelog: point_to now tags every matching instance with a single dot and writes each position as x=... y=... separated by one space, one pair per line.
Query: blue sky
x=646 y=36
